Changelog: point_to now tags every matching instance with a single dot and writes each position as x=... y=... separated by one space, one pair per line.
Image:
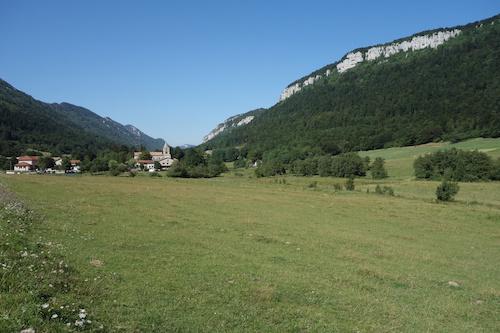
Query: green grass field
x=400 y=160
x=241 y=254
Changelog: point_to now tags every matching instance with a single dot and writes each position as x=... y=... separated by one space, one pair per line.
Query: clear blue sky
x=175 y=69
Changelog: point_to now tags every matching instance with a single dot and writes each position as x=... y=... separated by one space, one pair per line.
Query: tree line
x=457 y=165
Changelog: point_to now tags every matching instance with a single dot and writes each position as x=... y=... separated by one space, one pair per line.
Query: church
x=163 y=157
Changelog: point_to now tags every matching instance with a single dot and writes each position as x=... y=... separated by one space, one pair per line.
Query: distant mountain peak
x=61 y=125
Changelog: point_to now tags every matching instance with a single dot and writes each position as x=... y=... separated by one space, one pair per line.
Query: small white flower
x=82 y=315
x=54 y=316
x=79 y=323
x=44 y=306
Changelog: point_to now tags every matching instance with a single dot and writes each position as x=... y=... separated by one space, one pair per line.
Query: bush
x=240 y=163
x=495 y=172
x=313 y=184
x=280 y=181
x=132 y=174
x=349 y=184
x=154 y=174
x=386 y=190
x=337 y=187
x=455 y=164
x=177 y=170
x=347 y=165
x=270 y=168
x=122 y=167
x=446 y=191
x=377 y=169
x=307 y=167
x=114 y=172
x=325 y=166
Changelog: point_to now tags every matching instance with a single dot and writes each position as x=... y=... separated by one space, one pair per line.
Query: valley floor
x=243 y=254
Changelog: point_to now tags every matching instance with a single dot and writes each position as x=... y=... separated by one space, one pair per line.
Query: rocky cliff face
x=232 y=122
x=352 y=59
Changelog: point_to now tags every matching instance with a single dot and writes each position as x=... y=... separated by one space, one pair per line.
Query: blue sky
x=175 y=69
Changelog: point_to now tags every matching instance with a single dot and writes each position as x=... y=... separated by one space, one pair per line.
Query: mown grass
x=243 y=254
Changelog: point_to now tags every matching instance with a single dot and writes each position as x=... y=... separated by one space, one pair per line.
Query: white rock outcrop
x=245 y=120
x=230 y=122
x=352 y=59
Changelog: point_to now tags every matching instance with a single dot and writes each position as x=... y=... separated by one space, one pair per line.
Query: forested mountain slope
x=59 y=128
x=401 y=93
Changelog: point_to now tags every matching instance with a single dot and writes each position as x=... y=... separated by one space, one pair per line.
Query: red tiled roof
x=145 y=161
x=74 y=162
x=28 y=158
x=23 y=164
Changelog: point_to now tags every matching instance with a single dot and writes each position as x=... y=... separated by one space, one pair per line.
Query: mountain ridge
x=447 y=92
x=26 y=122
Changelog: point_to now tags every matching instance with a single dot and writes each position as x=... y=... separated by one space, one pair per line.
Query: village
x=142 y=161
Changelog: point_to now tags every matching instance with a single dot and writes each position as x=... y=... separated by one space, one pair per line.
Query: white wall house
x=148 y=165
x=26 y=163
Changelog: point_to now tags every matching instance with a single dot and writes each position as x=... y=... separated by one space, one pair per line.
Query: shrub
x=177 y=170
x=122 y=167
x=446 y=191
x=215 y=168
x=240 y=163
x=349 y=184
x=280 y=181
x=377 y=169
x=307 y=167
x=388 y=190
x=385 y=190
x=337 y=187
x=313 y=184
x=199 y=171
x=270 y=168
x=132 y=174
x=114 y=172
x=325 y=166
x=454 y=164
x=347 y=165
x=495 y=172
x=154 y=174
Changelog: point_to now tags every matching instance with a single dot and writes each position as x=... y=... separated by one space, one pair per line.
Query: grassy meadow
x=400 y=159
x=281 y=254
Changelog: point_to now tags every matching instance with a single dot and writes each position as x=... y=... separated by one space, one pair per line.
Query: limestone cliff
x=352 y=59
x=232 y=122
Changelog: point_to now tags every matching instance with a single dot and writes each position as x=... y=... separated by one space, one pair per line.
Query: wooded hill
x=451 y=92
x=26 y=123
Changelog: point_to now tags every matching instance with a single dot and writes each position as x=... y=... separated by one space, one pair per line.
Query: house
x=57 y=160
x=75 y=165
x=148 y=165
x=26 y=164
x=163 y=157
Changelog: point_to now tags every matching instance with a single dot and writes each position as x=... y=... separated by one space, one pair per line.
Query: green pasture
x=399 y=160
x=240 y=254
